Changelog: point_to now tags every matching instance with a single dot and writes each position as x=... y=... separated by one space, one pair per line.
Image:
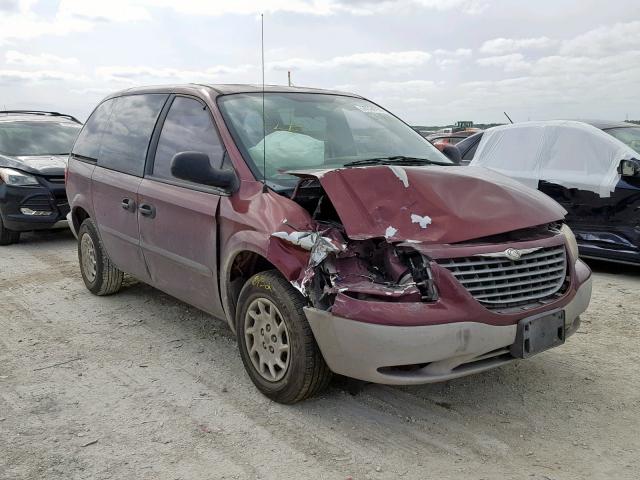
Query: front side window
x=309 y=131
x=188 y=127
x=630 y=136
x=26 y=138
x=125 y=142
x=88 y=141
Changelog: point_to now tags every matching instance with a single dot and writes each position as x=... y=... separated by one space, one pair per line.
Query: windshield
x=309 y=131
x=37 y=138
x=630 y=136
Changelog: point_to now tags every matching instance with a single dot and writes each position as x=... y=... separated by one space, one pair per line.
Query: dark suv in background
x=34 y=147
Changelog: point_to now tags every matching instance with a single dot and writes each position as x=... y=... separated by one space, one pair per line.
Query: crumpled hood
x=38 y=165
x=432 y=204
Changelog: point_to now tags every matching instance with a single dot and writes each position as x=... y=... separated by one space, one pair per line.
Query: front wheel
x=277 y=346
x=7 y=237
x=101 y=277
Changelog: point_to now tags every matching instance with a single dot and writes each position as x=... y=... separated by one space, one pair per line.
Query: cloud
x=314 y=7
x=140 y=74
x=407 y=59
x=450 y=58
x=471 y=7
x=604 y=40
x=72 y=16
x=13 y=57
x=458 y=52
x=101 y=11
x=501 y=46
x=39 y=76
x=20 y=21
x=9 y=6
x=509 y=63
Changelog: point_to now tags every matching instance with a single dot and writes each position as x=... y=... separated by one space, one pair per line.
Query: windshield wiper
x=394 y=160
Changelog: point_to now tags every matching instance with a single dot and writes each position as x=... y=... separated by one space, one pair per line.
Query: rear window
x=88 y=142
x=126 y=139
x=37 y=138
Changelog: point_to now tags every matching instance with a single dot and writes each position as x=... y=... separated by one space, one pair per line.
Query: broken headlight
x=572 y=244
x=421 y=273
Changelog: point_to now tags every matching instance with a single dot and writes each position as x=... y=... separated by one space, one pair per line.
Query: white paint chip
x=422 y=221
x=401 y=174
x=390 y=232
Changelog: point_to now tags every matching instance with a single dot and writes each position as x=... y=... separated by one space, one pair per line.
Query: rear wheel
x=100 y=276
x=7 y=237
x=277 y=346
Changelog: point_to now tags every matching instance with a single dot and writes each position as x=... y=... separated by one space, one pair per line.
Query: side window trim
x=155 y=136
x=190 y=186
x=155 y=139
x=84 y=159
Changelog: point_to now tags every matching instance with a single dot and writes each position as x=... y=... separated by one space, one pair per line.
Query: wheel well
x=244 y=266
x=79 y=216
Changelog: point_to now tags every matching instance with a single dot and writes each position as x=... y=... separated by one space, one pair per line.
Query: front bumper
x=405 y=355
x=47 y=197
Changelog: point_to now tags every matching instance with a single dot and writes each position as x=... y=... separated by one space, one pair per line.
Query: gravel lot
x=139 y=385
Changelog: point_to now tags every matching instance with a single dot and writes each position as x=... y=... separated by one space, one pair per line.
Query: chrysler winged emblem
x=512 y=254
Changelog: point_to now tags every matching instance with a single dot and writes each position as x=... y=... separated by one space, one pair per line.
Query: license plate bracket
x=537 y=334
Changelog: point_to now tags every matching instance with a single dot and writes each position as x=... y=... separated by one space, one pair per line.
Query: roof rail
x=40 y=112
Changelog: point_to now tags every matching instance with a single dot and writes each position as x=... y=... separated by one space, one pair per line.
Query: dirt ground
x=142 y=386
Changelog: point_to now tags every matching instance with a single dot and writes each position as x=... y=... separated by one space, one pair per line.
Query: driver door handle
x=147 y=210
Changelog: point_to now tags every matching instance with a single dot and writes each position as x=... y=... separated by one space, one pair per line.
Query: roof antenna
x=508 y=117
x=264 y=125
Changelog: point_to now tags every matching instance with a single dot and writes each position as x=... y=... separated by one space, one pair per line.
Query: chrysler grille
x=500 y=283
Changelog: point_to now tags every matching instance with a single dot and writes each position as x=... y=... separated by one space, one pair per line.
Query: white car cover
x=568 y=153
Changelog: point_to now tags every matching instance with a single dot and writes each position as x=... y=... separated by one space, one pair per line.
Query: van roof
x=227 y=89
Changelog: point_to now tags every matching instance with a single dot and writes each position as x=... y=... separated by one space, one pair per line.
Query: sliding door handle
x=128 y=204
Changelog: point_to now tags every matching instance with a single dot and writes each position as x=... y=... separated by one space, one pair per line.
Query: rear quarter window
x=88 y=141
x=126 y=140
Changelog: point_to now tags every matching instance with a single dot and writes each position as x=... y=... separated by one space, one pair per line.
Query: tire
x=305 y=373
x=7 y=237
x=100 y=276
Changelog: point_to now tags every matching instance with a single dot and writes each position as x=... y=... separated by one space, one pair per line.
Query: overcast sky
x=429 y=61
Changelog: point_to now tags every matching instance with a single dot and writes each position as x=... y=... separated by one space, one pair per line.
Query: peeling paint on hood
x=462 y=203
x=401 y=174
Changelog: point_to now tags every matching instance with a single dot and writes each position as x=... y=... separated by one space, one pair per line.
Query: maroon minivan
x=329 y=234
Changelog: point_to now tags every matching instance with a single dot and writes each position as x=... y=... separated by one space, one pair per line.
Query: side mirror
x=629 y=168
x=452 y=153
x=195 y=167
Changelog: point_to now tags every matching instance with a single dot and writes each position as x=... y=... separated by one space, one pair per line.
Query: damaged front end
x=403 y=272
x=367 y=224
x=364 y=269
